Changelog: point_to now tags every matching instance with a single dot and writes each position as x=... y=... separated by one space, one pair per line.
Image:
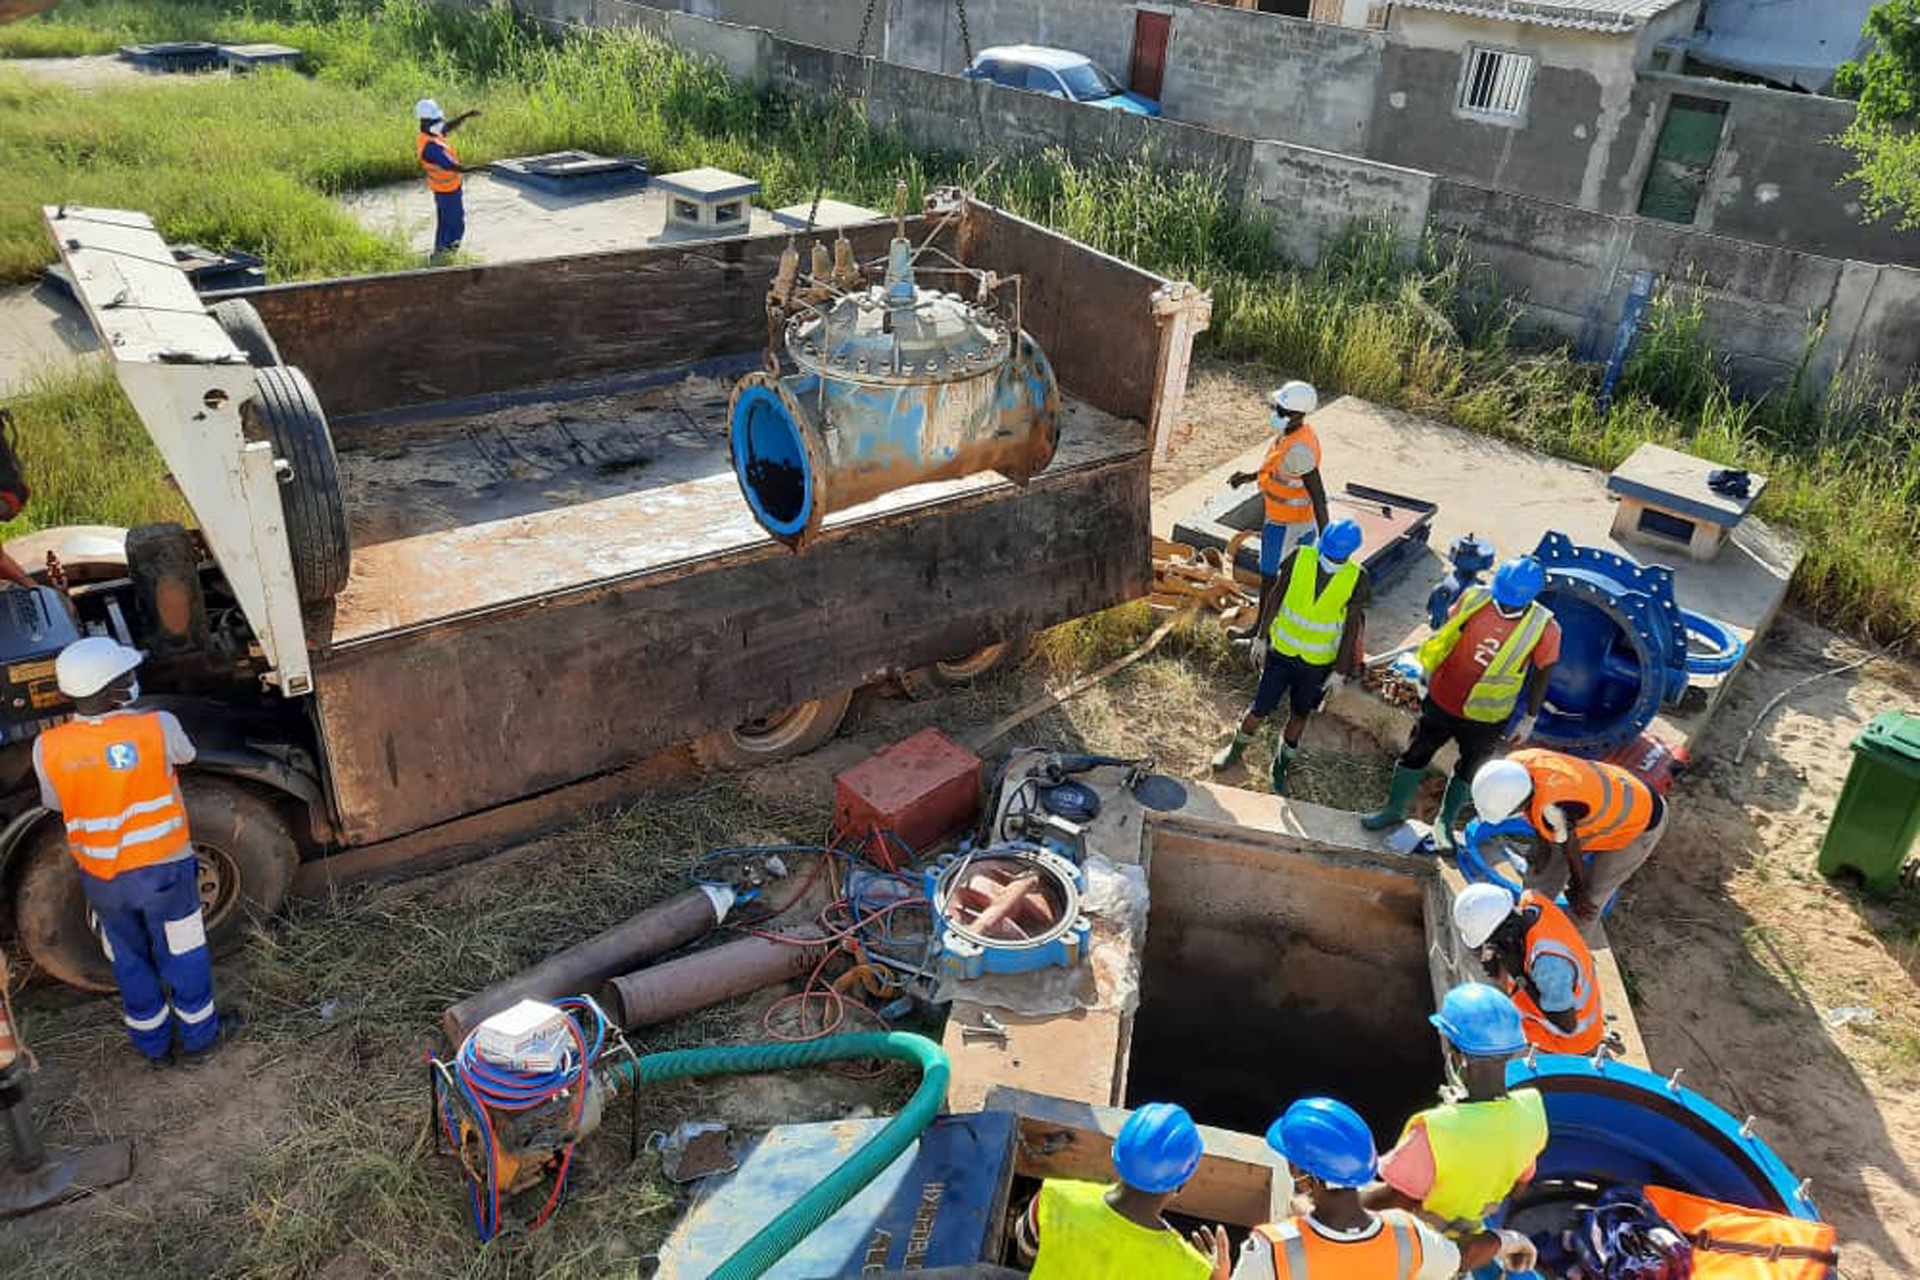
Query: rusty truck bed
x=466 y=507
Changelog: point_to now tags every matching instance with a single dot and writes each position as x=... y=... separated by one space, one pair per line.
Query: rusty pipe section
x=895 y=385
x=654 y=932
x=679 y=987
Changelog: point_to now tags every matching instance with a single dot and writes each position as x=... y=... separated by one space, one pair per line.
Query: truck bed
x=466 y=507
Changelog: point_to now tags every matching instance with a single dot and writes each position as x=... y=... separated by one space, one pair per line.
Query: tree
x=1885 y=134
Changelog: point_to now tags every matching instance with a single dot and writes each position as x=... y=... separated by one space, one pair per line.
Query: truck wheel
x=310 y=497
x=246 y=856
x=248 y=331
x=957 y=673
x=793 y=732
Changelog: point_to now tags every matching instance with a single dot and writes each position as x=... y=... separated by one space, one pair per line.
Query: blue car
x=1058 y=73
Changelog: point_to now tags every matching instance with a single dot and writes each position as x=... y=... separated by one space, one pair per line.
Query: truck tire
x=248 y=331
x=939 y=678
x=310 y=497
x=247 y=859
x=793 y=732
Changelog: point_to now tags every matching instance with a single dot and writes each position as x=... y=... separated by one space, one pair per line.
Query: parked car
x=1060 y=73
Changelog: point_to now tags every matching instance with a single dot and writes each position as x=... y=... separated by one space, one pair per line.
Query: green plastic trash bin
x=1878 y=818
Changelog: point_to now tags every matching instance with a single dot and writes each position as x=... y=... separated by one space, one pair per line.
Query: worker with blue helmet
x=1484 y=677
x=1315 y=634
x=1086 y=1231
x=1457 y=1162
x=1331 y=1233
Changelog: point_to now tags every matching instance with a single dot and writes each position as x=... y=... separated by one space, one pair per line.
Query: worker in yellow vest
x=1457 y=1162
x=1294 y=498
x=443 y=169
x=1577 y=808
x=1316 y=634
x=109 y=773
x=1330 y=1150
x=1535 y=953
x=1087 y=1231
x=1493 y=657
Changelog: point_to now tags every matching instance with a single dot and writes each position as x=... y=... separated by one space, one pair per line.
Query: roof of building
x=1798 y=43
x=1583 y=15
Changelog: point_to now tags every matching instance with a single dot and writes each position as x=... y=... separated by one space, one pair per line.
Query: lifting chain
x=834 y=126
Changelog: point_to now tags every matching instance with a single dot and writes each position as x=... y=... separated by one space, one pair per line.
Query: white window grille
x=1496 y=83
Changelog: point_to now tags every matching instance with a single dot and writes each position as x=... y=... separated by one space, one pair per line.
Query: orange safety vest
x=439 y=181
x=118 y=792
x=1299 y=1252
x=1555 y=935
x=1619 y=806
x=1731 y=1242
x=1287 y=499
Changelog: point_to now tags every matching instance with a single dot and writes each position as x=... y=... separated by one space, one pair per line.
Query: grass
x=253 y=163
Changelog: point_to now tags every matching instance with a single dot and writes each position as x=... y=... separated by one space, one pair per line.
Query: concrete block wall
x=1311 y=196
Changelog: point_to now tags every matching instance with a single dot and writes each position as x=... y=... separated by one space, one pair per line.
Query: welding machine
x=34 y=627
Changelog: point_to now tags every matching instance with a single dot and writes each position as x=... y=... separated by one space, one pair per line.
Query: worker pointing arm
x=443 y=169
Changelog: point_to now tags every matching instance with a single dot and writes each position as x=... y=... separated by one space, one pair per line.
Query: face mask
x=1329 y=564
x=1455 y=1089
x=1278 y=421
x=131 y=696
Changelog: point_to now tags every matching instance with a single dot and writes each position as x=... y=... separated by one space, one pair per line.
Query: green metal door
x=1683 y=158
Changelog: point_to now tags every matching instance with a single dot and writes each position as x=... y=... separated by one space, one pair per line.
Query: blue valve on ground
x=1468 y=558
x=1486 y=841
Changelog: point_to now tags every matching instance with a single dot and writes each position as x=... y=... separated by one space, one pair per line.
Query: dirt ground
x=303 y=1150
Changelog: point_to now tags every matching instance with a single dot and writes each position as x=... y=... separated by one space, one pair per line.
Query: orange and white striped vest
x=1300 y=1253
x=1619 y=806
x=1553 y=934
x=118 y=792
x=1287 y=499
x=439 y=181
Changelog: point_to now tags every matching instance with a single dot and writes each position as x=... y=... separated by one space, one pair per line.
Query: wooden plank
x=1241 y=1181
x=1073 y=1055
x=527 y=699
x=1092 y=313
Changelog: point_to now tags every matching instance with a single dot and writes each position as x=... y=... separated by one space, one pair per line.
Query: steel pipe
x=679 y=987
x=654 y=932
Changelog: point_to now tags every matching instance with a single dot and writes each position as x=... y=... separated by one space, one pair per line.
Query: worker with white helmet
x=109 y=773
x=1533 y=951
x=1296 y=500
x=443 y=169
x=1577 y=808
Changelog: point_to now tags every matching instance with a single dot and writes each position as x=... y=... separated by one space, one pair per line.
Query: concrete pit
x=1269 y=975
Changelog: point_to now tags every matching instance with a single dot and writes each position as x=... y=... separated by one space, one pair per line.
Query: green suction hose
x=775 y=1240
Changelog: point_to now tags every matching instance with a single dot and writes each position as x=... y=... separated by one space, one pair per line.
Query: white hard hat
x=87 y=666
x=426 y=109
x=1295 y=397
x=1500 y=788
x=1478 y=911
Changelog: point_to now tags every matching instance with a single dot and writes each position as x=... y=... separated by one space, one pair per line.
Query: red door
x=1150 y=34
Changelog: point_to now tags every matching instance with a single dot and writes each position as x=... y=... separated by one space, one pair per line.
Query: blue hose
x=1712 y=647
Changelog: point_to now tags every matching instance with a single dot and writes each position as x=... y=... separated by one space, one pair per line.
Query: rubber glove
x=1516 y=1252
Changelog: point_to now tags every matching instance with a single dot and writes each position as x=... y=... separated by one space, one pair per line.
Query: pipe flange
x=1046 y=929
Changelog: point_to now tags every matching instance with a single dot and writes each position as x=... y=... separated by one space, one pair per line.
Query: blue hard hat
x=1325 y=1138
x=1480 y=1021
x=1158 y=1148
x=1517 y=582
x=1340 y=539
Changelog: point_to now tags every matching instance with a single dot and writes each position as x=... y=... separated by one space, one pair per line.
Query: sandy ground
x=94 y=71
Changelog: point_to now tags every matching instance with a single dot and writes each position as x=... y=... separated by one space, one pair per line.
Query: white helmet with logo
x=1295 y=397
x=1478 y=911
x=87 y=666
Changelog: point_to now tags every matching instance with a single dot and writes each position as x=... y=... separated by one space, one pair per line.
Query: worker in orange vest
x=109 y=773
x=443 y=170
x=1536 y=953
x=1296 y=500
x=1577 y=807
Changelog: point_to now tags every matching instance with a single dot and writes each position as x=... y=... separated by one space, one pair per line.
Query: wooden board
x=535 y=696
x=1078 y=1056
x=1240 y=1182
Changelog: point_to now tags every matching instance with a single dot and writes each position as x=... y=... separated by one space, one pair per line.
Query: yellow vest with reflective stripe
x=1492 y=698
x=1480 y=1150
x=1082 y=1238
x=1308 y=627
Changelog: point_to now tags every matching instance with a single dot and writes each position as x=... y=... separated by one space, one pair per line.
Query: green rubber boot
x=1451 y=803
x=1229 y=755
x=1282 y=758
x=1405 y=782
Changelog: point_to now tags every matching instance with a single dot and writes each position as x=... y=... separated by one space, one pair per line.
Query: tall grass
x=252 y=162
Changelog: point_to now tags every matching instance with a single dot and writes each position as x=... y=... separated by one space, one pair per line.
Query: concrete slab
x=1510 y=496
x=85 y=74
x=39 y=330
x=832 y=213
x=509 y=223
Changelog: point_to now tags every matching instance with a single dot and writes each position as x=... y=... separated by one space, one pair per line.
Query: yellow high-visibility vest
x=1082 y=1238
x=1480 y=1150
x=1308 y=626
x=1492 y=698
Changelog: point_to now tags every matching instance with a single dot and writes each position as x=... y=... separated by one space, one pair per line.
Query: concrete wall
x=1256 y=74
x=1778 y=179
x=832 y=23
x=1311 y=196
